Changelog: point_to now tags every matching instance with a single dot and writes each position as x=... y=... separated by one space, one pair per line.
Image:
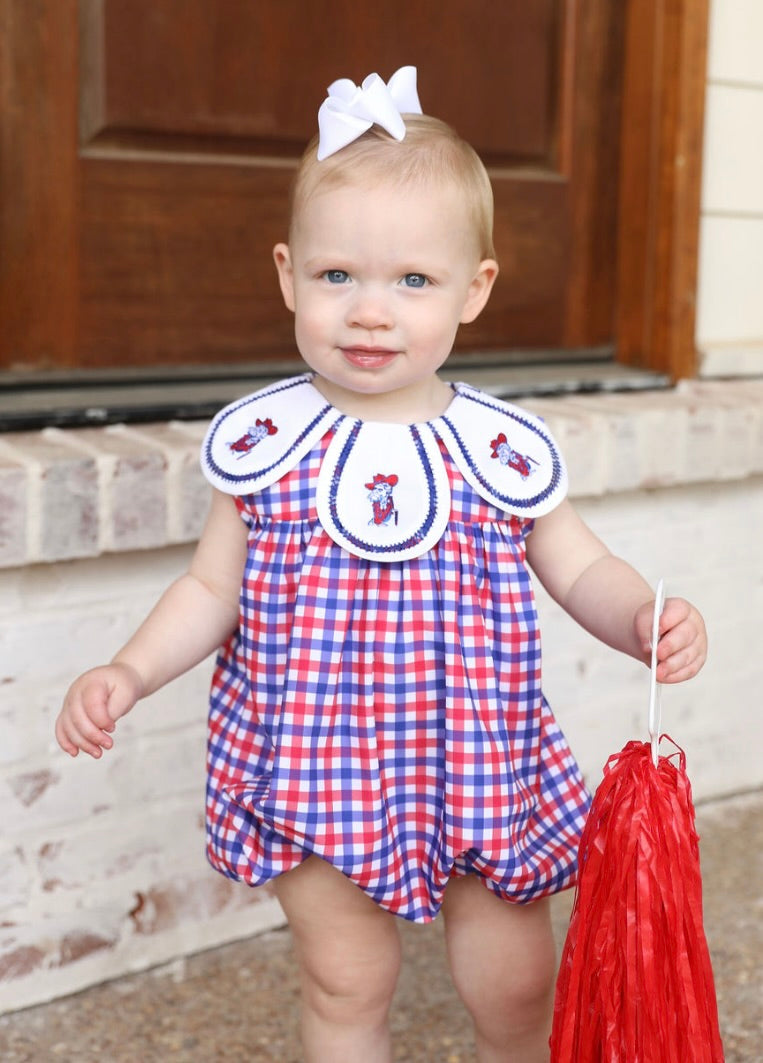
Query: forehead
x=384 y=211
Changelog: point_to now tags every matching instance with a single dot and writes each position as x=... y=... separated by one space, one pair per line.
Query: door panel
x=191 y=114
x=258 y=70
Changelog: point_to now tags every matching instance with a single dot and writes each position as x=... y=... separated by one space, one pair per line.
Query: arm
x=607 y=597
x=191 y=619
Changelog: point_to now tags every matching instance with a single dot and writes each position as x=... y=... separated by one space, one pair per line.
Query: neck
x=404 y=406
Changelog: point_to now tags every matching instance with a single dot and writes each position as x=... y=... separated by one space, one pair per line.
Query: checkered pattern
x=389 y=716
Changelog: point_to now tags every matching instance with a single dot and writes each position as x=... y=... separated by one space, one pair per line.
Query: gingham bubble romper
x=380 y=704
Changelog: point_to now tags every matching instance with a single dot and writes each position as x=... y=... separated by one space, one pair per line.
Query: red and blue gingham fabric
x=389 y=717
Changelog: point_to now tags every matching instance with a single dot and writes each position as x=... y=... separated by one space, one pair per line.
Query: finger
x=689 y=634
x=90 y=740
x=79 y=729
x=674 y=613
x=72 y=742
x=682 y=664
x=680 y=673
x=63 y=739
x=673 y=642
x=92 y=748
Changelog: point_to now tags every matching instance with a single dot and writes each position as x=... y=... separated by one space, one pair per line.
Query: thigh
x=343 y=939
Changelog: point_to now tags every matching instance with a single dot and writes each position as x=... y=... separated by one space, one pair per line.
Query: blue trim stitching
x=556 y=460
x=229 y=411
x=336 y=476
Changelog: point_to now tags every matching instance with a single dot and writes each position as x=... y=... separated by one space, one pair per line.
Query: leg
x=348 y=951
x=503 y=962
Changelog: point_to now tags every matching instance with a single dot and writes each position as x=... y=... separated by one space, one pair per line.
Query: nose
x=370 y=309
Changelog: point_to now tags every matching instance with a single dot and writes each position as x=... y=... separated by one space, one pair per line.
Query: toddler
x=379 y=744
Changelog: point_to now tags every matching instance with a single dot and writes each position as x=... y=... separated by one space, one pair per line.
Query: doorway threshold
x=78 y=400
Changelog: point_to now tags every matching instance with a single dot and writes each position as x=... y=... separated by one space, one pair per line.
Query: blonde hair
x=431 y=152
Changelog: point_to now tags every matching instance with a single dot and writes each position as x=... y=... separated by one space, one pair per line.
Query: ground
x=238 y=1003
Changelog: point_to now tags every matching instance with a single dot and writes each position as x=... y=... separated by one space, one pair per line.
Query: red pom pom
x=635 y=983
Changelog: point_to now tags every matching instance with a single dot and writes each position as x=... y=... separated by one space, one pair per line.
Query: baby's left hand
x=682 y=646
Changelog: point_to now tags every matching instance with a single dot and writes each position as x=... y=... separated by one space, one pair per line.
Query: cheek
x=443 y=322
x=316 y=308
x=308 y=318
x=427 y=320
x=306 y=339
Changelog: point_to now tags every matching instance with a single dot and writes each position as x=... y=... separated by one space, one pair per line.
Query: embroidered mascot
x=254 y=434
x=382 y=502
x=521 y=463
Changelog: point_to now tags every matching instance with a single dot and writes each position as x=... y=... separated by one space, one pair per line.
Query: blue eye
x=336 y=276
x=415 y=280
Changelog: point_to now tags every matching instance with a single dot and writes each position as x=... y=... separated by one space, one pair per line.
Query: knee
x=349 y=989
x=506 y=985
x=348 y=949
x=520 y=998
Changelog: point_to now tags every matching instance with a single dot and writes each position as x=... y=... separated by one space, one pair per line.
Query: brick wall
x=101 y=864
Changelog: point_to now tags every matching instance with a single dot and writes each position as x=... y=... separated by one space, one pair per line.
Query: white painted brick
x=195 y=492
x=617 y=447
x=119 y=853
x=15 y=879
x=188 y=491
x=703 y=447
x=31 y=949
x=192 y=431
x=27 y=716
x=13 y=510
x=727 y=391
x=739 y=409
x=43 y=794
x=150 y=490
x=681 y=436
x=62 y=641
x=167 y=765
x=181 y=704
x=23 y=788
x=41 y=975
x=132 y=486
x=134 y=580
x=62 y=508
x=583 y=438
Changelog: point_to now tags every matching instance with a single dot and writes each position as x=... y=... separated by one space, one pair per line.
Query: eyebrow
x=322 y=259
x=339 y=260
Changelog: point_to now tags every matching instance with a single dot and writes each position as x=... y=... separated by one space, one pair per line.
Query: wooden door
x=148 y=147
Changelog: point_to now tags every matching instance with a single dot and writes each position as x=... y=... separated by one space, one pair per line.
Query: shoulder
x=471 y=403
x=254 y=441
x=507 y=453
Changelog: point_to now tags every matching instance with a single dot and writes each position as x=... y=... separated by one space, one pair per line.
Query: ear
x=479 y=290
x=282 y=259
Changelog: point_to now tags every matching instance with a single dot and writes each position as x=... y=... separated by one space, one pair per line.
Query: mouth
x=369 y=357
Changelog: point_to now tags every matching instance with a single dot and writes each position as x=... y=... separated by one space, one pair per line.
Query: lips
x=369 y=357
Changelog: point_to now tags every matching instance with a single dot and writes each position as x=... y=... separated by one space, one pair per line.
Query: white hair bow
x=349 y=110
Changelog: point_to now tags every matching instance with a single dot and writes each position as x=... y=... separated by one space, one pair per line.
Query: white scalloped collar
x=382 y=492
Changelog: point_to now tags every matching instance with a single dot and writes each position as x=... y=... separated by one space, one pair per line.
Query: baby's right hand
x=93 y=704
